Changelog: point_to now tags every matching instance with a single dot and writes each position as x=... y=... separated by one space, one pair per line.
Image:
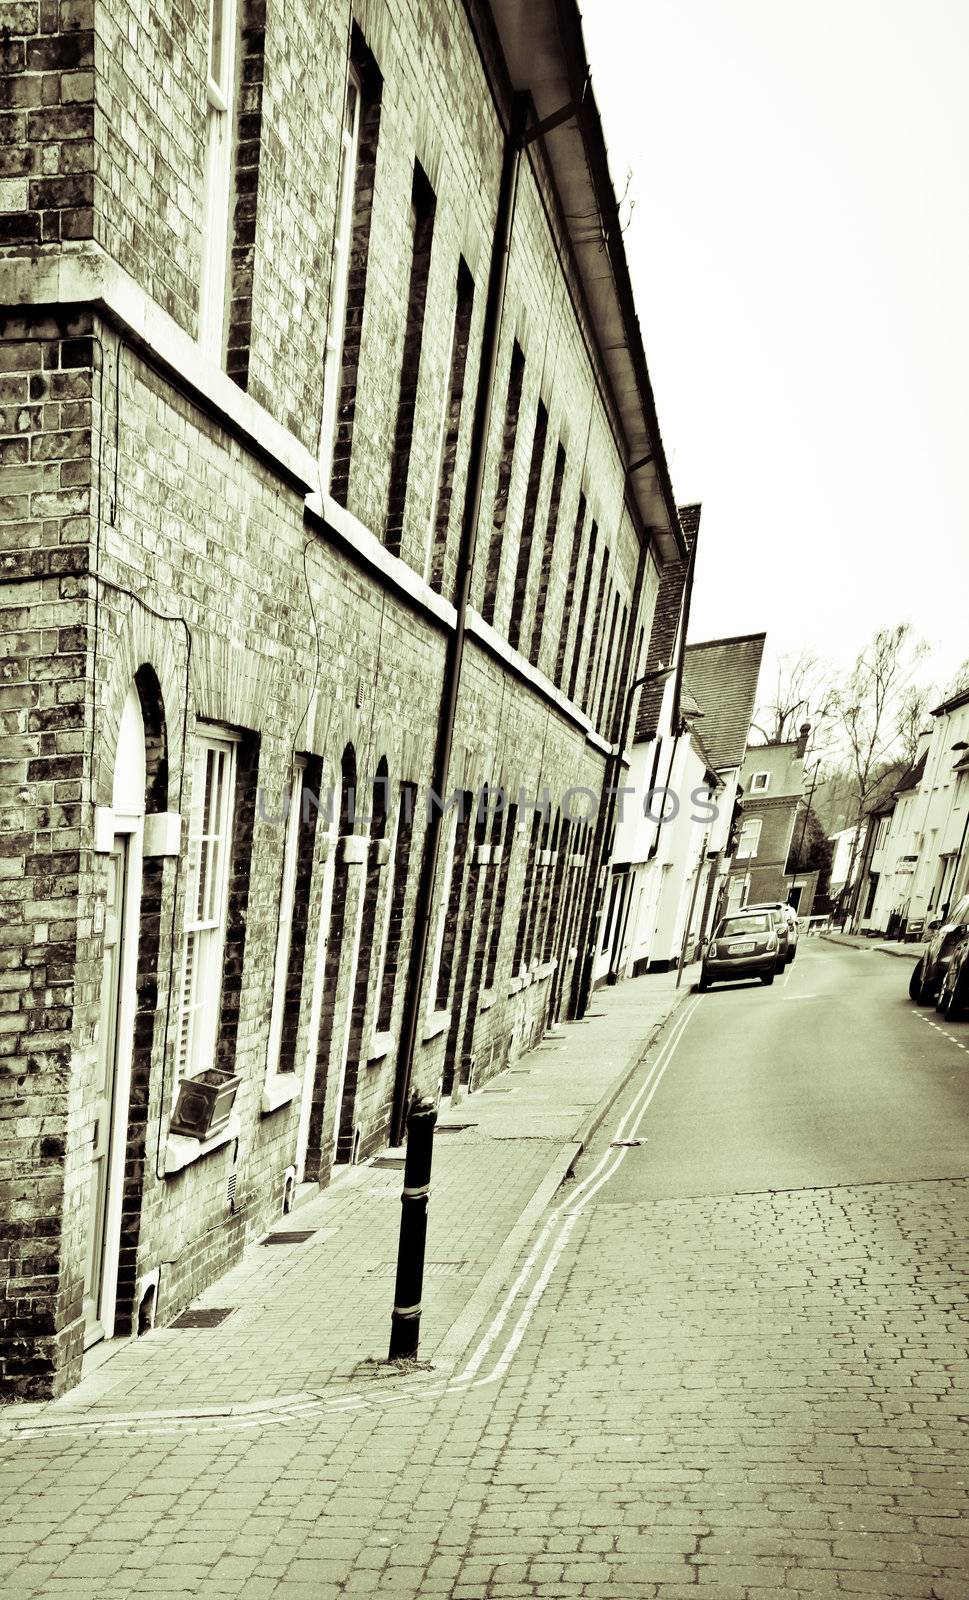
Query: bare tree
x=802 y=693
x=913 y=714
x=868 y=708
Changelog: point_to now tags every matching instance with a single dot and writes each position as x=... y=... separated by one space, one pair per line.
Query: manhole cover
x=203 y=1317
x=387 y=1161
x=297 y=1236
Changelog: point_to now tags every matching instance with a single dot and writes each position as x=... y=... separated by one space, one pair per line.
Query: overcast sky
x=799 y=247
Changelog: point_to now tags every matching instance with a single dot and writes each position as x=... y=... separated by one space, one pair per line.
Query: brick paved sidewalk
x=303 y=1316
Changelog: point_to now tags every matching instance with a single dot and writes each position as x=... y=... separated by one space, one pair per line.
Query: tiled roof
x=722 y=677
x=662 y=639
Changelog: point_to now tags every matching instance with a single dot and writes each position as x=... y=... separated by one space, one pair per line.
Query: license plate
x=738 y=949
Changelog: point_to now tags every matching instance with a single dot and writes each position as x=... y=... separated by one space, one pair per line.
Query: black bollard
x=405 y=1322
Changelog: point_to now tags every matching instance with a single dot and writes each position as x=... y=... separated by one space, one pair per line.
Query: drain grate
x=295 y=1236
x=203 y=1317
x=387 y=1161
x=453 y=1127
x=440 y=1269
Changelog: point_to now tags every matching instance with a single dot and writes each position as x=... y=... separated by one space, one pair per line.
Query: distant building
x=772 y=779
x=941 y=871
x=684 y=775
x=895 y=856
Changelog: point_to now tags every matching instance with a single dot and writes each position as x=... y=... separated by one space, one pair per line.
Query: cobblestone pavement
x=732 y=1396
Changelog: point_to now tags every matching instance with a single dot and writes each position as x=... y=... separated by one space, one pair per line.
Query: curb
x=914 y=954
x=587 y=1130
x=459 y=1335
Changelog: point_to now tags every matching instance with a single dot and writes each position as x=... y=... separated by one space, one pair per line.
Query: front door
x=105 y=1096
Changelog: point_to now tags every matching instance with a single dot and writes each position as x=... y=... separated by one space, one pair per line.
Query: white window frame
x=340 y=274
x=389 y=887
x=284 y=929
x=754 y=825
x=217 y=175
x=756 y=784
x=206 y=903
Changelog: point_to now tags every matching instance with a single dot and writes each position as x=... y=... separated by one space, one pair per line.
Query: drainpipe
x=676 y=723
x=455 y=646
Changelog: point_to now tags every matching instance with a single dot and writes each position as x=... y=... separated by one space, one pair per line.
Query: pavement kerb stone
x=460 y=1334
x=587 y=1131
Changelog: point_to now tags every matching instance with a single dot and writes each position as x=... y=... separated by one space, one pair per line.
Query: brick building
x=331 y=466
x=772 y=779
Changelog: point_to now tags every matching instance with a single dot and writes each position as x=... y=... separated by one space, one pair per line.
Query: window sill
x=545 y=970
x=518 y=983
x=435 y=1023
x=380 y=1046
x=487 y=1000
x=279 y=1090
x=181 y=1151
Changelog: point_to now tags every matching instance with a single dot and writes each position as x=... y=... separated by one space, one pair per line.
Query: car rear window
x=734 y=927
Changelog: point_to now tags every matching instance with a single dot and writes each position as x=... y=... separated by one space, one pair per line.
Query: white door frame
x=351 y=992
x=128 y=825
x=316 y=1006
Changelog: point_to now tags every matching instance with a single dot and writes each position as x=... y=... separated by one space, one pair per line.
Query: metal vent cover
x=293 y=1236
x=203 y=1317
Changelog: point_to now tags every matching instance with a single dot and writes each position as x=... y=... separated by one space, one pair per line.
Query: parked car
x=944 y=934
x=790 y=918
x=953 y=998
x=744 y=945
x=780 y=925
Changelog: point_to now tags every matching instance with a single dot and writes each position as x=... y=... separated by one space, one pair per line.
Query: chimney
x=802 y=740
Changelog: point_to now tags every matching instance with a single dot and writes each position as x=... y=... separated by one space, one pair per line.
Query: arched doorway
x=116 y=917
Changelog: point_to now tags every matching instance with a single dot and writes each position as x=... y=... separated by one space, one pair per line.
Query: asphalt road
x=831 y=1076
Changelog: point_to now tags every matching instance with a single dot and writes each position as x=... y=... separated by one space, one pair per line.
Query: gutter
x=594 y=145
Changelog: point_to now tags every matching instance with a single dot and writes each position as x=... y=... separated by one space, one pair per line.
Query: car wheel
x=927 y=992
x=703 y=985
x=915 y=982
x=944 y=1005
x=767 y=978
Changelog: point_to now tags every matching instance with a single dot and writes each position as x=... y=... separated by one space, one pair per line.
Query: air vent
x=230 y=1192
x=443 y=1269
x=203 y=1317
x=297 y=1236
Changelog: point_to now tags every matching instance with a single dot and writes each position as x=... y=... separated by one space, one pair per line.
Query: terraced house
x=330 y=467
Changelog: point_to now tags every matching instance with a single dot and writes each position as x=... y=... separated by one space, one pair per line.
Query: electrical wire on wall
x=101 y=582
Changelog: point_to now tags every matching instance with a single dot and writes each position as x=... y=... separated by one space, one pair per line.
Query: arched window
x=749 y=840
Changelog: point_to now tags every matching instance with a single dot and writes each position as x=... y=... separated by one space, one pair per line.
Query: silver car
x=790 y=917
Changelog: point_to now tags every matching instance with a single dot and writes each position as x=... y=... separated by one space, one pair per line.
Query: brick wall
x=143 y=540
